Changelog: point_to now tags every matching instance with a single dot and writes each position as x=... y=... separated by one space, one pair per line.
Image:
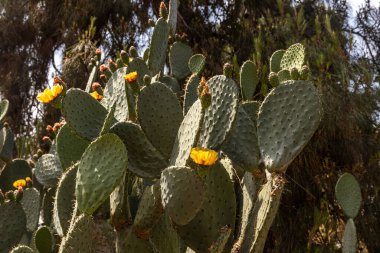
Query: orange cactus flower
x=204 y=156
x=19 y=183
x=96 y=95
x=131 y=77
x=48 y=95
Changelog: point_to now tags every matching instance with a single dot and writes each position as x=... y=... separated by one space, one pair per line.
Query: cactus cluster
x=120 y=176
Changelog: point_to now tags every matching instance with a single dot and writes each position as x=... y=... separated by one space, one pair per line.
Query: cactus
x=12 y=225
x=166 y=174
x=292 y=111
x=70 y=146
x=64 y=201
x=99 y=172
x=183 y=193
x=159 y=108
x=349 y=197
x=197 y=63
x=31 y=204
x=158 y=46
x=16 y=169
x=8 y=145
x=22 y=249
x=248 y=80
x=48 y=170
x=43 y=240
x=179 y=56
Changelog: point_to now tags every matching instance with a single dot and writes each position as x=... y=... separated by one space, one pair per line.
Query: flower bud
x=228 y=70
x=273 y=79
x=294 y=74
x=163 y=10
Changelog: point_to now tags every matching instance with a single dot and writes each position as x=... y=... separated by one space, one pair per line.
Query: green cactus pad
x=15 y=170
x=104 y=237
x=164 y=237
x=265 y=210
x=179 y=56
x=293 y=57
x=220 y=115
x=31 y=204
x=348 y=194
x=70 y=146
x=197 y=63
x=64 y=201
x=144 y=159
x=284 y=75
x=119 y=206
x=138 y=65
x=101 y=169
x=44 y=240
x=252 y=109
x=48 y=170
x=22 y=249
x=246 y=227
x=287 y=120
x=242 y=145
x=4 y=105
x=135 y=244
x=115 y=93
x=150 y=208
x=109 y=121
x=12 y=225
x=160 y=115
x=158 y=46
x=172 y=18
x=186 y=135
x=47 y=206
x=219 y=245
x=6 y=153
x=190 y=92
x=248 y=80
x=183 y=193
x=275 y=60
x=79 y=238
x=83 y=113
x=218 y=210
x=172 y=83
x=350 y=240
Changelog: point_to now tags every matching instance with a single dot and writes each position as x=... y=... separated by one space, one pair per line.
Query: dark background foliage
x=341 y=51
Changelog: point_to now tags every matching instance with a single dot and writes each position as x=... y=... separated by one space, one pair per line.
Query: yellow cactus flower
x=131 y=77
x=50 y=94
x=96 y=95
x=204 y=156
x=18 y=183
x=28 y=179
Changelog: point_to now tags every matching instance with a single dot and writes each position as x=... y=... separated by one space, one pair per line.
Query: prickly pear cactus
x=159 y=151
